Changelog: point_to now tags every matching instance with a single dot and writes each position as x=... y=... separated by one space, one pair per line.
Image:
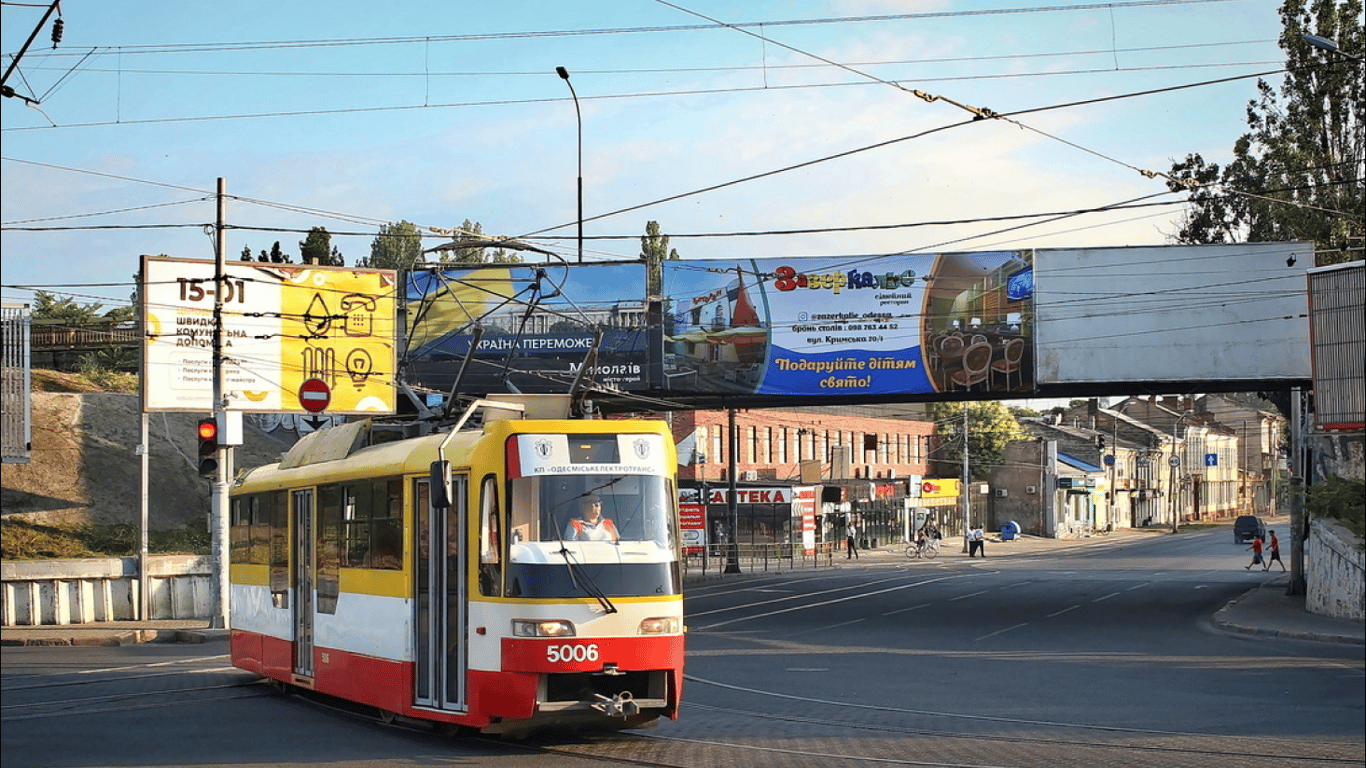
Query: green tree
x=317 y=248
x=397 y=246
x=654 y=250
x=475 y=252
x=64 y=310
x=990 y=427
x=1300 y=171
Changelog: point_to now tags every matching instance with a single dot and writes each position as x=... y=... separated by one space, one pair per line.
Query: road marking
x=965 y=597
x=1059 y=613
x=822 y=629
x=912 y=608
x=1001 y=631
x=1107 y=597
x=1138 y=586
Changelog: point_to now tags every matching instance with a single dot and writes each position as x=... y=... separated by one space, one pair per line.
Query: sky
x=732 y=124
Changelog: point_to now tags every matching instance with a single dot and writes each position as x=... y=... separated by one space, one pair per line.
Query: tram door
x=440 y=605
x=305 y=546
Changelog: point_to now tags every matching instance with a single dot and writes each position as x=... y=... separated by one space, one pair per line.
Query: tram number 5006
x=564 y=653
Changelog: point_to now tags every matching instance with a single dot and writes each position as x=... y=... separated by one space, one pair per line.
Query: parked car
x=1247 y=527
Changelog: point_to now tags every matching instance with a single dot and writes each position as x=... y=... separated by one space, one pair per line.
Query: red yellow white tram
x=442 y=577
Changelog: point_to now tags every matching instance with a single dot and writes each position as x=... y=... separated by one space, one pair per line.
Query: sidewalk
x=1263 y=610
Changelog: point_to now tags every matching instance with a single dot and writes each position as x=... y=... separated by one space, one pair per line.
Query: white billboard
x=1172 y=313
x=282 y=324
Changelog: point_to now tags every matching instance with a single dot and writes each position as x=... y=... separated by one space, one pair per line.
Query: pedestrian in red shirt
x=1256 y=553
x=1275 y=554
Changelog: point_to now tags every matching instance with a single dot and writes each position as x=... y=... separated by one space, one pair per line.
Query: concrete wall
x=1333 y=572
x=58 y=592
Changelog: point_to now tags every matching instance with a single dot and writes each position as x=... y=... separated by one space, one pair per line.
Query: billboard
x=281 y=325
x=539 y=323
x=1337 y=295
x=852 y=326
x=1202 y=313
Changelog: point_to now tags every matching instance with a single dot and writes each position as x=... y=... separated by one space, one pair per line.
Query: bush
x=1342 y=500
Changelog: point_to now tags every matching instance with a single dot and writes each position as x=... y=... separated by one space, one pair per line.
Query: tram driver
x=590 y=525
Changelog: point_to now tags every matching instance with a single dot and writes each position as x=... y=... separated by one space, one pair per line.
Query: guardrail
x=718 y=559
x=60 y=592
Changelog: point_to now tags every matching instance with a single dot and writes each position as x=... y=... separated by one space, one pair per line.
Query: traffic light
x=208 y=447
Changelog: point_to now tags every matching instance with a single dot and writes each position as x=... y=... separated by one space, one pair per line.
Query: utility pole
x=218 y=500
x=1297 y=522
x=966 y=500
x=732 y=509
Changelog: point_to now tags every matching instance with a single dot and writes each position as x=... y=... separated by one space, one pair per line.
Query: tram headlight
x=542 y=628
x=663 y=625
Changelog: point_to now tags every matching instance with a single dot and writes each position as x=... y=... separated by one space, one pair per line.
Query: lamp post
x=1324 y=44
x=1175 y=462
x=578 y=118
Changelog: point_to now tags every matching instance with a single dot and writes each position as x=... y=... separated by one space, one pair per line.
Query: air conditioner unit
x=1031 y=489
x=751 y=474
x=1002 y=492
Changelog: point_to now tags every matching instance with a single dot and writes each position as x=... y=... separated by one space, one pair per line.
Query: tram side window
x=490 y=539
x=279 y=550
x=329 y=549
x=373 y=524
x=249 y=533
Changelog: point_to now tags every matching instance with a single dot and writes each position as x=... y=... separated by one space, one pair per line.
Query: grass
x=22 y=540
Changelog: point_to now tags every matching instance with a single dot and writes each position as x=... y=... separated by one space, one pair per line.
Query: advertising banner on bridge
x=877 y=325
x=538 y=322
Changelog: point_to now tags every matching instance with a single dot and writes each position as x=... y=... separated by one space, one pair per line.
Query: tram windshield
x=616 y=531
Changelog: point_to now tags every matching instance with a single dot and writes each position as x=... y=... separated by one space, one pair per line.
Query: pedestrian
x=1274 y=545
x=851 y=541
x=1256 y=553
x=977 y=542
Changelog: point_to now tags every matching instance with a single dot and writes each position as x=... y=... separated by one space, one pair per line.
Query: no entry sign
x=315 y=395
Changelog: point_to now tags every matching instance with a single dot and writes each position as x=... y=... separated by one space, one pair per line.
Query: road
x=1102 y=655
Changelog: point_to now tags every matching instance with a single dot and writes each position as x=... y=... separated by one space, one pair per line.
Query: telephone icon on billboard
x=359 y=310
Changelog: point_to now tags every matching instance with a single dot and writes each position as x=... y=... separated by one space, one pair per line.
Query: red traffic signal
x=208 y=447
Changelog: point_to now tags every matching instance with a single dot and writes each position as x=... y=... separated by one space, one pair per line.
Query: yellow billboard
x=282 y=324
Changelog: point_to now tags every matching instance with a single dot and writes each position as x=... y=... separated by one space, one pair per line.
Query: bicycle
x=928 y=550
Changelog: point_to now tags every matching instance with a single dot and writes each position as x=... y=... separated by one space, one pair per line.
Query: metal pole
x=144 y=605
x=218 y=506
x=966 y=502
x=732 y=508
x=1297 y=584
x=578 y=117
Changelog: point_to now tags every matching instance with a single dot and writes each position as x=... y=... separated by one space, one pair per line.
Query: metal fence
x=723 y=559
x=16 y=406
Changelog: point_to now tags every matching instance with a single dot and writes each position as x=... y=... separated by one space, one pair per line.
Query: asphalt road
x=1089 y=657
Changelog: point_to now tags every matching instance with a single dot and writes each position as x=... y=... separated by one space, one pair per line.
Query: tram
x=442 y=577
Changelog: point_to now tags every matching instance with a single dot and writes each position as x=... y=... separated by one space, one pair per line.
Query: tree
x=476 y=254
x=397 y=246
x=1300 y=171
x=317 y=248
x=990 y=427
x=654 y=249
x=64 y=310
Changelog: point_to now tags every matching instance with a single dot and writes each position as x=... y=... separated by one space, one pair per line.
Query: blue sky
x=349 y=115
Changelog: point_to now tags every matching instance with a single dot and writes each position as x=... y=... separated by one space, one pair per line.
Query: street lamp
x=564 y=75
x=1175 y=462
x=1324 y=44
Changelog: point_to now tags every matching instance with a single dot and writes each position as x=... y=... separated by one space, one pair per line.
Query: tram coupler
x=621 y=705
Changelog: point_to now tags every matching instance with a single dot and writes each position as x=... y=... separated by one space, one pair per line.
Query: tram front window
x=618 y=531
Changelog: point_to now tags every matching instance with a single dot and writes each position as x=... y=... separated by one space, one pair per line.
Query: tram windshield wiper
x=576 y=574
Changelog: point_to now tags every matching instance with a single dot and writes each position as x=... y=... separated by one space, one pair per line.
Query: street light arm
x=578 y=118
x=1324 y=44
